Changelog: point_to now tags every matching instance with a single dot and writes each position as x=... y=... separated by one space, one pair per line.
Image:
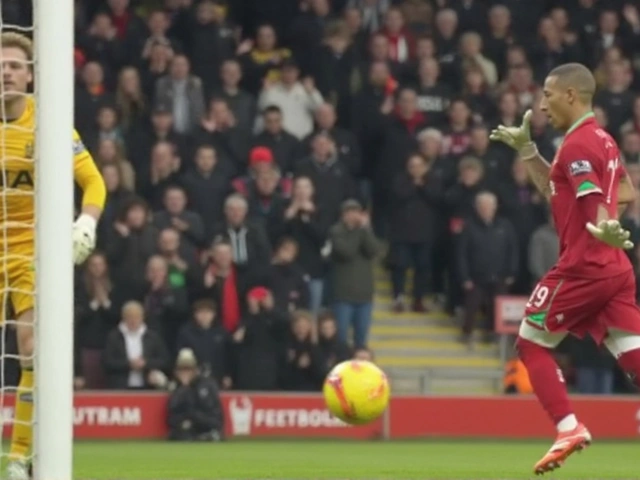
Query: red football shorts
x=580 y=306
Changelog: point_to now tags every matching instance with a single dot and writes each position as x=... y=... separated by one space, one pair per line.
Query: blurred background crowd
x=262 y=158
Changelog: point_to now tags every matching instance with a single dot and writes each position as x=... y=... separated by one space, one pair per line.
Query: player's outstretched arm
x=519 y=138
x=94 y=194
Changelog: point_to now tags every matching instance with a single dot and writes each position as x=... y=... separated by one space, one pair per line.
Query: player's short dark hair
x=577 y=77
x=272 y=109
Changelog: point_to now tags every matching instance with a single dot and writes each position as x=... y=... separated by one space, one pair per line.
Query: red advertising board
x=118 y=415
x=507 y=417
x=143 y=415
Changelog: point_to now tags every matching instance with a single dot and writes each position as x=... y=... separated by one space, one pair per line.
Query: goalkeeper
x=592 y=287
x=18 y=222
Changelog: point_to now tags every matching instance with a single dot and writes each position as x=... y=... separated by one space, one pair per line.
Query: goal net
x=37 y=172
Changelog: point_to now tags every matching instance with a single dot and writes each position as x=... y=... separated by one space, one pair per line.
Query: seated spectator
x=194 y=411
x=209 y=341
x=134 y=355
x=331 y=350
x=288 y=283
x=303 y=371
x=96 y=314
x=487 y=259
x=166 y=306
x=415 y=194
x=306 y=224
x=353 y=251
x=259 y=342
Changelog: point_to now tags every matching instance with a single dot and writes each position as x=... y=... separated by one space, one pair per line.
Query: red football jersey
x=587 y=162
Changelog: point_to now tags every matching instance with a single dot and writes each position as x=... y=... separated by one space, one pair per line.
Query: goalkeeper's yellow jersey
x=17 y=202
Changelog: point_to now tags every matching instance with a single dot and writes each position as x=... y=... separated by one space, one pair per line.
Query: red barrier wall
x=101 y=415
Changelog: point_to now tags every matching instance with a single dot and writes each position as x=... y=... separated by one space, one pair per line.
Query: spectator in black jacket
x=259 y=341
x=175 y=215
x=303 y=371
x=415 y=198
x=266 y=202
x=399 y=140
x=207 y=185
x=288 y=283
x=487 y=261
x=305 y=223
x=194 y=408
x=286 y=148
x=346 y=143
x=209 y=341
x=135 y=356
x=165 y=303
x=331 y=350
x=97 y=310
x=250 y=243
x=330 y=176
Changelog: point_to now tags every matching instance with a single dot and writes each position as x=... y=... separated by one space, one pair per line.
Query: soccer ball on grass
x=356 y=391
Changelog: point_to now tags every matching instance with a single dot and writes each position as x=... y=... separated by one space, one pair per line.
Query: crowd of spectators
x=260 y=156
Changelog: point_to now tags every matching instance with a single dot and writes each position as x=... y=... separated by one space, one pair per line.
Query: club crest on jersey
x=580 y=167
x=78 y=147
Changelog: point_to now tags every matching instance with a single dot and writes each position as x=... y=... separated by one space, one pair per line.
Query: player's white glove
x=611 y=233
x=518 y=138
x=84 y=237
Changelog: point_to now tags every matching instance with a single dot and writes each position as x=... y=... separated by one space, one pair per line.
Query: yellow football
x=356 y=391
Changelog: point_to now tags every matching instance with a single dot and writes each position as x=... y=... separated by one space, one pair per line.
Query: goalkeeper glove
x=518 y=138
x=611 y=233
x=84 y=237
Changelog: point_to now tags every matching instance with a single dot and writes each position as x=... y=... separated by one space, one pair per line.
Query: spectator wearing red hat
x=261 y=160
x=259 y=342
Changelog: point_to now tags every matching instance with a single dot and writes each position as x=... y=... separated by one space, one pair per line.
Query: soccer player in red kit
x=591 y=290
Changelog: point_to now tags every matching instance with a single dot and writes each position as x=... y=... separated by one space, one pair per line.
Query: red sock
x=630 y=364
x=546 y=379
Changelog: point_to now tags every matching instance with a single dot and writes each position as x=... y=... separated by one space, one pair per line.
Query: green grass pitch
x=340 y=460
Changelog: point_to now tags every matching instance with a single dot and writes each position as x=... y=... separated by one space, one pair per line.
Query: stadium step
x=421 y=353
x=444 y=386
x=426 y=361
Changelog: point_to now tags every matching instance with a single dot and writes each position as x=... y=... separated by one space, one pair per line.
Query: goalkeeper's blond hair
x=17 y=40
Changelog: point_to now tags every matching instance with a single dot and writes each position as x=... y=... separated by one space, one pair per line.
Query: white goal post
x=53 y=394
